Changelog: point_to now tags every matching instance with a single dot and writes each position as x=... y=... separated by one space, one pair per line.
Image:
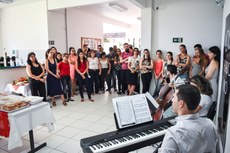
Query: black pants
x=82 y=82
x=66 y=82
x=146 y=80
x=94 y=81
x=124 y=76
x=38 y=89
x=118 y=73
x=113 y=78
x=105 y=77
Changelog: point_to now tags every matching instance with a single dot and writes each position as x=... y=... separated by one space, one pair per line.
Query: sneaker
x=107 y=90
x=119 y=93
x=115 y=89
x=70 y=99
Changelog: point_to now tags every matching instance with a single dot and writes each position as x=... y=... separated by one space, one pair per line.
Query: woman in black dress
x=53 y=78
x=36 y=72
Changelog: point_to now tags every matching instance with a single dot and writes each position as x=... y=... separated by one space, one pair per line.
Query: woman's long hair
x=148 y=58
x=29 y=62
x=202 y=84
x=79 y=60
x=202 y=57
x=215 y=50
x=47 y=52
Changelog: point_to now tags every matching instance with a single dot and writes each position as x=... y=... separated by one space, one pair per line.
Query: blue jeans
x=66 y=82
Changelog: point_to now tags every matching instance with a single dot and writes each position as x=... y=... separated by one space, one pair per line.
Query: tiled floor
x=74 y=122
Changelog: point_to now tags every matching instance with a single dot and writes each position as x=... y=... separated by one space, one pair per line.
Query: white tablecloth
x=27 y=119
x=24 y=90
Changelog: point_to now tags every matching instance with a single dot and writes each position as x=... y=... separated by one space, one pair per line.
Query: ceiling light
x=118 y=7
x=6 y=1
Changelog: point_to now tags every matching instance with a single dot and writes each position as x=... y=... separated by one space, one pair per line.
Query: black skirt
x=132 y=78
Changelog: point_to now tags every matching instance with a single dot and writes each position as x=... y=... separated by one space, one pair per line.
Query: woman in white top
x=105 y=73
x=206 y=91
x=212 y=71
x=94 y=72
x=133 y=66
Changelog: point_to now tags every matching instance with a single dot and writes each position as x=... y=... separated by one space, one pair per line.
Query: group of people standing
x=91 y=69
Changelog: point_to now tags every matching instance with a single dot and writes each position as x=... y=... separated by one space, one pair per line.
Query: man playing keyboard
x=191 y=134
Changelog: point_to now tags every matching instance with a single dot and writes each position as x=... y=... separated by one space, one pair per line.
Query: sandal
x=54 y=104
x=64 y=103
x=91 y=100
x=82 y=100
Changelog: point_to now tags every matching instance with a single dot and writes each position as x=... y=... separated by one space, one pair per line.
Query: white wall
x=57 y=29
x=195 y=20
x=79 y=24
x=25 y=28
x=134 y=32
x=82 y=24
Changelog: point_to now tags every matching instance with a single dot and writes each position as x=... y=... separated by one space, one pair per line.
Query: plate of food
x=15 y=106
x=33 y=99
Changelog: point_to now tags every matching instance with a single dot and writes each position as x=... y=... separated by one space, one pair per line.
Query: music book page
x=131 y=110
x=125 y=112
x=141 y=110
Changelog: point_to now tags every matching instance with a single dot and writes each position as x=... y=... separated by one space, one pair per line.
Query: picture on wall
x=91 y=42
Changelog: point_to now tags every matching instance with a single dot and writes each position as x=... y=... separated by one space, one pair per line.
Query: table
x=22 y=89
x=27 y=119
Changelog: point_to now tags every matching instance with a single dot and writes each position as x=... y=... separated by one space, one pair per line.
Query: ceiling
x=103 y=9
x=17 y=2
x=129 y=17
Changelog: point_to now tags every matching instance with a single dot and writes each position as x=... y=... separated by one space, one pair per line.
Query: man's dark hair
x=198 y=46
x=110 y=49
x=190 y=95
x=172 y=69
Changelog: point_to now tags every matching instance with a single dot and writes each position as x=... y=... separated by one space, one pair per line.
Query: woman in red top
x=158 y=71
x=82 y=67
x=64 y=69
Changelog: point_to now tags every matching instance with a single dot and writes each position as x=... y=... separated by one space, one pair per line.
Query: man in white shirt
x=191 y=134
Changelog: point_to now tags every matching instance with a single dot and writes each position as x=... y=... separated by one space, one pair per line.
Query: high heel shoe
x=64 y=103
x=54 y=104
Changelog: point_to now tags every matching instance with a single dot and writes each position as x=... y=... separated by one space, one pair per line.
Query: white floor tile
x=98 y=127
x=3 y=142
x=54 y=141
x=70 y=146
x=91 y=118
x=84 y=134
x=25 y=146
x=65 y=121
x=38 y=136
x=68 y=132
x=81 y=124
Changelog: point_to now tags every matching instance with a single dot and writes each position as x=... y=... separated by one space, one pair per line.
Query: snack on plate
x=9 y=107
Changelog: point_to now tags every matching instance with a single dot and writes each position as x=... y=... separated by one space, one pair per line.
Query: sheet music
x=125 y=112
x=141 y=109
x=131 y=110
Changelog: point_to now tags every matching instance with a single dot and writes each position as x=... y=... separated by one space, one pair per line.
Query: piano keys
x=128 y=139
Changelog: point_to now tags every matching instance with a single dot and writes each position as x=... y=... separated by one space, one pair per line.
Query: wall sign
x=177 y=40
